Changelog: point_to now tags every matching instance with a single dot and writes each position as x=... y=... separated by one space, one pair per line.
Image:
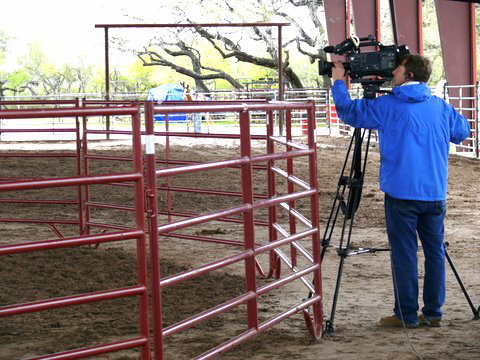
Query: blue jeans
x=406 y=218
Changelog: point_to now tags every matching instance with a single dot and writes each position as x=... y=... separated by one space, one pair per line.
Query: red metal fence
x=164 y=223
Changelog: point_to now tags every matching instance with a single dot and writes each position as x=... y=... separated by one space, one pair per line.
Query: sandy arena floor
x=366 y=293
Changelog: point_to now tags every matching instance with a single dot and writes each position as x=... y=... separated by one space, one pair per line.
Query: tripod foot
x=329 y=330
x=476 y=315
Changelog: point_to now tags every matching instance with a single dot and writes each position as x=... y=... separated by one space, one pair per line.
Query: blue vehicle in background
x=168 y=92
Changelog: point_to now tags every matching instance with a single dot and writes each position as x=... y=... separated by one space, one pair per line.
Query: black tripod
x=348 y=202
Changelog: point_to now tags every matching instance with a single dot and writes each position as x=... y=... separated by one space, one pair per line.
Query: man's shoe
x=393 y=321
x=432 y=322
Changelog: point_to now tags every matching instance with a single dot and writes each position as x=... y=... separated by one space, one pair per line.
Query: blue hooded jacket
x=415 y=130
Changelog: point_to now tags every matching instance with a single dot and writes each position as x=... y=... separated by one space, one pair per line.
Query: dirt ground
x=366 y=292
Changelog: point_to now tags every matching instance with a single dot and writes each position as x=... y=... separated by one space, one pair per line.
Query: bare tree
x=307 y=42
x=197 y=72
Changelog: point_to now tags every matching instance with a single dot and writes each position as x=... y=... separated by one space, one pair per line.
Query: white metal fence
x=327 y=119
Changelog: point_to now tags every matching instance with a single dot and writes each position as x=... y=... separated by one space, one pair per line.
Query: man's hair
x=420 y=66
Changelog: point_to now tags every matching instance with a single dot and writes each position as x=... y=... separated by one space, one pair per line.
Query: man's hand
x=338 y=71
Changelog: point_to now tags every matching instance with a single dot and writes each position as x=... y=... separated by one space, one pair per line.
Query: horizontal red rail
x=67 y=112
x=49 y=202
x=42 y=155
x=252 y=332
x=209 y=135
x=287 y=279
x=108 y=226
x=176 y=225
x=109 y=206
x=257 y=24
x=229 y=163
x=37 y=102
x=285 y=241
x=68 y=242
x=217 y=310
x=206 y=239
x=40 y=221
x=73 y=181
x=233 y=211
x=190 y=274
x=201 y=167
x=37 y=130
x=96 y=350
x=189 y=215
x=186 y=162
x=243 y=107
x=71 y=300
x=208 y=191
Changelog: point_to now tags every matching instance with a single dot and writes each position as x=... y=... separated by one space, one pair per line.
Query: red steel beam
x=457 y=26
x=366 y=16
x=407 y=24
x=338 y=24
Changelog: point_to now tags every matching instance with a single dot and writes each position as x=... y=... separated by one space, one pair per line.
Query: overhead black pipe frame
x=279 y=26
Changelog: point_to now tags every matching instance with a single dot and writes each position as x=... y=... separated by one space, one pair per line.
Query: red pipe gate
x=161 y=225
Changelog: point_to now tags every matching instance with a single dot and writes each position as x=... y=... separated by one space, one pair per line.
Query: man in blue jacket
x=415 y=130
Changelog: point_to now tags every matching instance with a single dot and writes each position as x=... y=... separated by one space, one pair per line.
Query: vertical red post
x=315 y=214
x=420 y=26
x=86 y=172
x=280 y=65
x=291 y=186
x=248 y=223
x=152 y=214
x=473 y=52
x=107 y=79
x=167 y=163
x=274 y=262
x=140 y=225
x=79 y=170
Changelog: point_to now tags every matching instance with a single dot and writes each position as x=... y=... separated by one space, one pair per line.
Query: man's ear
x=409 y=76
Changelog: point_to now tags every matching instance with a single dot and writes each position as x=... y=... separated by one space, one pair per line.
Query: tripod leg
x=329 y=324
x=476 y=315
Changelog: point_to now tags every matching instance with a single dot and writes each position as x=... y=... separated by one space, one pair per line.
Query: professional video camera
x=379 y=63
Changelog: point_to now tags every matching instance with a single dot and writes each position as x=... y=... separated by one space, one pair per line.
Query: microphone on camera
x=349 y=44
x=329 y=49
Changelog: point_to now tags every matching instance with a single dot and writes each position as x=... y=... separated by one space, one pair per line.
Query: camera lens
x=325 y=68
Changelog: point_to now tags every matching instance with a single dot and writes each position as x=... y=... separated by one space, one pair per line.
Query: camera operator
x=415 y=130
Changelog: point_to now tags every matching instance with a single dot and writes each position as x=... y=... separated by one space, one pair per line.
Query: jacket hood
x=412 y=93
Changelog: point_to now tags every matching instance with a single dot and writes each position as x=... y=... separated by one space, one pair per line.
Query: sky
x=65 y=29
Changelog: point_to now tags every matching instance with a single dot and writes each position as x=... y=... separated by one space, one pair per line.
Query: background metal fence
x=325 y=114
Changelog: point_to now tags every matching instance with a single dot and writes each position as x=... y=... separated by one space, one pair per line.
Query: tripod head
x=371 y=87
